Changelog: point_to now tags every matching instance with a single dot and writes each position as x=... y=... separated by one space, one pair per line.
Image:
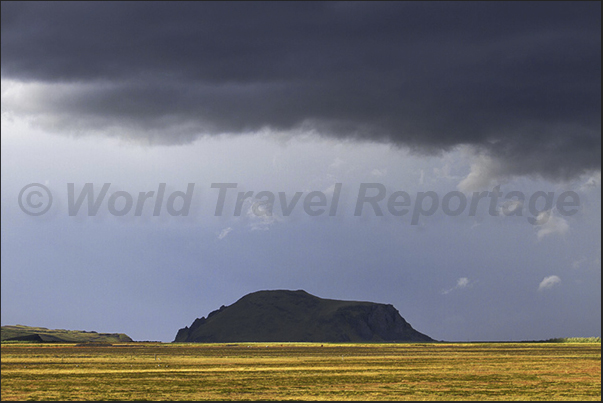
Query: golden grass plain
x=302 y=371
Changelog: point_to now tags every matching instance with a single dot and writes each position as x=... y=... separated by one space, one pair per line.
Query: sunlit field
x=314 y=371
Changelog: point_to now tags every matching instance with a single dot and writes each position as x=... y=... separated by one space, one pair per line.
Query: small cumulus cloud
x=484 y=171
x=551 y=224
x=261 y=216
x=549 y=282
x=475 y=224
x=592 y=182
x=224 y=233
x=511 y=207
x=461 y=283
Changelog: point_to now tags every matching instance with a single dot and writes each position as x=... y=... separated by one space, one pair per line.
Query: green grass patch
x=575 y=340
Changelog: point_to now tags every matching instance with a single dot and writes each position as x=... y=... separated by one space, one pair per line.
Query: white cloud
x=224 y=233
x=549 y=282
x=461 y=283
x=551 y=224
x=511 y=207
x=483 y=172
x=261 y=215
x=592 y=182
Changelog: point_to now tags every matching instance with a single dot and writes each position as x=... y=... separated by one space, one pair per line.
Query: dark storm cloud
x=519 y=81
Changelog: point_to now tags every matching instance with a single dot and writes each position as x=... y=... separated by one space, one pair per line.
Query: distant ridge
x=43 y=335
x=288 y=316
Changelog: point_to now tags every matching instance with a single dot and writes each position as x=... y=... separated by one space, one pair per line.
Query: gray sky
x=417 y=97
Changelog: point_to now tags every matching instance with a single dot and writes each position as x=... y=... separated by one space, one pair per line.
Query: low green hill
x=288 y=316
x=43 y=335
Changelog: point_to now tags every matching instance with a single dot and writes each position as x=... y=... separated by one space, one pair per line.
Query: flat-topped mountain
x=287 y=316
x=43 y=335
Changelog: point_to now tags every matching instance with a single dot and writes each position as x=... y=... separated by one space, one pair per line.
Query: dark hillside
x=282 y=316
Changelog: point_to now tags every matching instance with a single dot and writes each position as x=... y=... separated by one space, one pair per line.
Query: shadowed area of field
x=279 y=371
